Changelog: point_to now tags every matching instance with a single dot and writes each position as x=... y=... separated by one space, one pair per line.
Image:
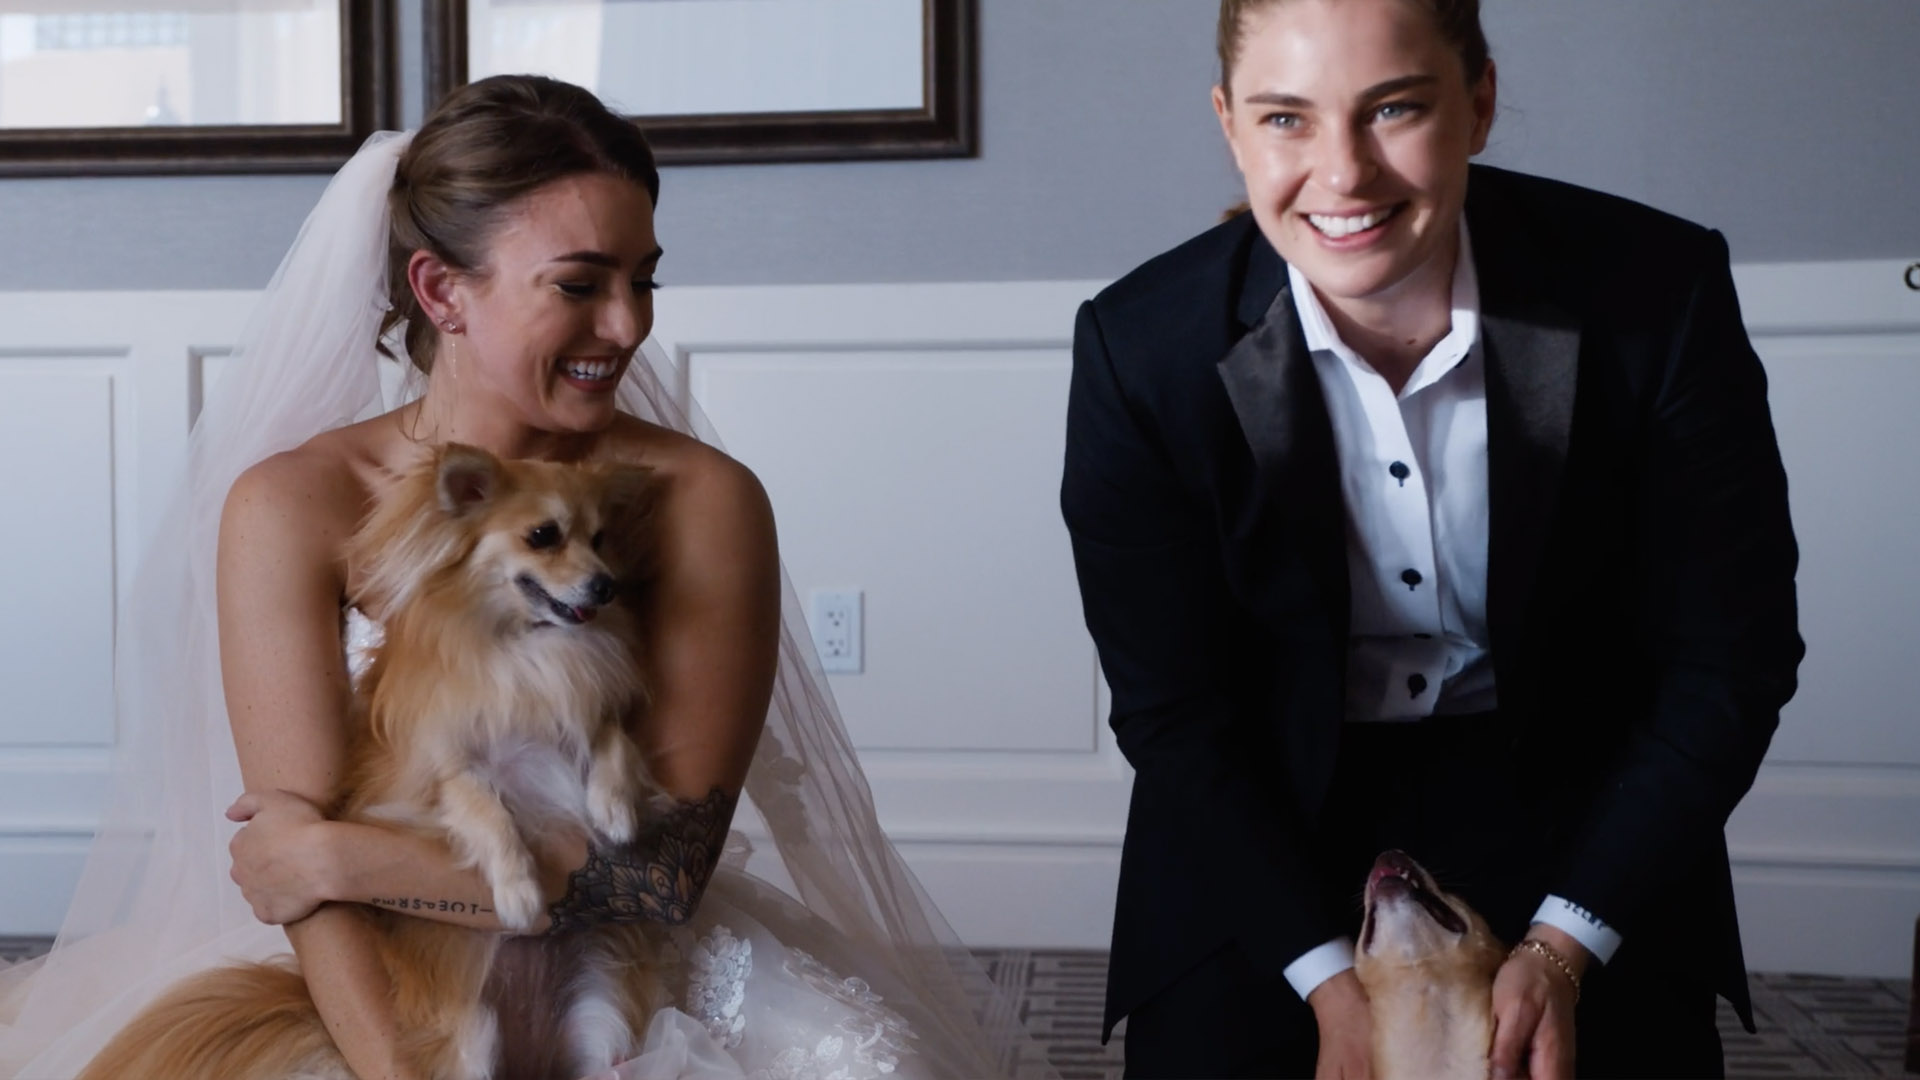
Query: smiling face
x=1352 y=122
x=563 y=299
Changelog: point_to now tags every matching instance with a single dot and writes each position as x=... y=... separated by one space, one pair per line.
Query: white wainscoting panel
x=56 y=466
x=910 y=438
x=1826 y=847
x=96 y=393
x=972 y=630
x=1844 y=409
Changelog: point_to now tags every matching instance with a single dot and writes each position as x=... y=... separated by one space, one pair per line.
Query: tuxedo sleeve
x=1716 y=559
x=1209 y=819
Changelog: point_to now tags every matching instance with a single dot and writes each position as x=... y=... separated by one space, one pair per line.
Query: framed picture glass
x=738 y=80
x=177 y=86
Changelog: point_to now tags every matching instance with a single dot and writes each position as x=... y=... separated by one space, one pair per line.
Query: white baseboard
x=37 y=877
x=1828 y=921
x=1822 y=921
x=1022 y=897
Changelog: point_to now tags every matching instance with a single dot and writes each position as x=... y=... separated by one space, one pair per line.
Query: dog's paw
x=611 y=811
x=517 y=898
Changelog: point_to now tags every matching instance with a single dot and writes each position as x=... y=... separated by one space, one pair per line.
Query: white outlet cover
x=834 y=616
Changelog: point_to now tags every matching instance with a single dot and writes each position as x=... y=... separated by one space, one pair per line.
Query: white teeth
x=1338 y=227
x=590 y=370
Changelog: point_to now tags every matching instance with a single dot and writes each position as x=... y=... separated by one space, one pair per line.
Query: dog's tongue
x=569 y=612
x=1382 y=886
x=1391 y=864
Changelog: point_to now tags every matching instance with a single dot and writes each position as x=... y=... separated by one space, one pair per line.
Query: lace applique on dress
x=718 y=966
x=777 y=792
x=867 y=1044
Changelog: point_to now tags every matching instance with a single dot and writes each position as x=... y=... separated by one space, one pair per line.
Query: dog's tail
x=246 y=1022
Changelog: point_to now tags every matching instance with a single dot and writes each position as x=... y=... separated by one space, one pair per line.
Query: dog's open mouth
x=1394 y=874
x=565 y=612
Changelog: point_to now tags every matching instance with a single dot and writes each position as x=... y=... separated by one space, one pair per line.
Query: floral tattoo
x=656 y=877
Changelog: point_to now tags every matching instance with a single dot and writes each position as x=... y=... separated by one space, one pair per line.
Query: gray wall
x=1789 y=124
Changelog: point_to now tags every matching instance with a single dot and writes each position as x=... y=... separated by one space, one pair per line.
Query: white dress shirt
x=1413 y=476
x=1413 y=473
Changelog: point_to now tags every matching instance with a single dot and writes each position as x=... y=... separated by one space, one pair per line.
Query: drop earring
x=450 y=327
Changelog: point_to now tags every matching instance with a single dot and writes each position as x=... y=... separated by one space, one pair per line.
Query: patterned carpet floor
x=1810 y=1026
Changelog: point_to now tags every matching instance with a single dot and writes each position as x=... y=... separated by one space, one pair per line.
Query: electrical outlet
x=835 y=621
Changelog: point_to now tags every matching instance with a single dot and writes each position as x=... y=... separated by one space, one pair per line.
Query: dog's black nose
x=601 y=589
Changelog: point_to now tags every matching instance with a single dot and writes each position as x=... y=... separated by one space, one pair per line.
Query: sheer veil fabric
x=155 y=902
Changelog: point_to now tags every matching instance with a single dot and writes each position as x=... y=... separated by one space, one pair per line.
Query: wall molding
x=1868 y=296
x=1021 y=847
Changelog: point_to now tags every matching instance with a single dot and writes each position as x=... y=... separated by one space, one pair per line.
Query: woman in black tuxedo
x=1430 y=506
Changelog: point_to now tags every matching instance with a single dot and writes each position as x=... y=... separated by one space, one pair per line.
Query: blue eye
x=1285 y=121
x=1395 y=110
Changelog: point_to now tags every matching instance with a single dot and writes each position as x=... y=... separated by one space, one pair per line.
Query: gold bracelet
x=1535 y=945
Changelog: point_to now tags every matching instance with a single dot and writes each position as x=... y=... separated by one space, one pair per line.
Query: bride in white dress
x=507 y=249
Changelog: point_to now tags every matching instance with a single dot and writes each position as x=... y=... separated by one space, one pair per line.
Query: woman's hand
x=1346 y=1029
x=281 y=859
x=1533 y=1010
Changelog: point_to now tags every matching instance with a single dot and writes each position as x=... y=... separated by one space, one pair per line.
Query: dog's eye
x=544 y=535
x=597 y=537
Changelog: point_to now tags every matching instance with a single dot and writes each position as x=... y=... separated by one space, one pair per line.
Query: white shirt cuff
x=1582 y=925
x=1319 y=964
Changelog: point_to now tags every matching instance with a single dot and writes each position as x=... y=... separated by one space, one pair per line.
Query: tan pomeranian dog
x=1427 y=961
x=492 y=712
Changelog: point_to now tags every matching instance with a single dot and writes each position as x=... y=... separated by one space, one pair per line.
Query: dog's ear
x=628 y=494
x=467 y=476
x=627 y=489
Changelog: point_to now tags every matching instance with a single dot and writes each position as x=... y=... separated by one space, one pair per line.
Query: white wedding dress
x=844 y=971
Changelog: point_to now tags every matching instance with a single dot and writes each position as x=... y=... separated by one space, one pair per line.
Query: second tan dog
x=1427 y=961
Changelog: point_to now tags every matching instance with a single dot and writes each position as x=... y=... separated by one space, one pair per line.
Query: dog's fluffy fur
x=493 y=711
x=1427 y=961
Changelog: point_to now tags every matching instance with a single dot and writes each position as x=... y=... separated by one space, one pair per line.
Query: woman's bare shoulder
x=309 y=498
x=309 y=479
x=697 y=480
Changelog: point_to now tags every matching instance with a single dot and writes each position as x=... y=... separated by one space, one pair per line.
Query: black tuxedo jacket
x=1640 y=602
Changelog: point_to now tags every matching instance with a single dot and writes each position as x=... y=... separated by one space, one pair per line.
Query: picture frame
x=368 y=90
x=940 y=120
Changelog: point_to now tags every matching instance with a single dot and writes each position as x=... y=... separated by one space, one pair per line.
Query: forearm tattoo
x=657 y=877
x=416 y=903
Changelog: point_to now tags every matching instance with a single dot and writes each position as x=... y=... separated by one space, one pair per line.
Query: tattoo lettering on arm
x=657 y=877
x=416 y=903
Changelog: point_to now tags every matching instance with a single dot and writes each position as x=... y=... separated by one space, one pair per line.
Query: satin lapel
x=1531 y=345
x=1276 y=396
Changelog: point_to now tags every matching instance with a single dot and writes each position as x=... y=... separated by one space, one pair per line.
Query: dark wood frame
x=369 y=102
x=948 y=126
